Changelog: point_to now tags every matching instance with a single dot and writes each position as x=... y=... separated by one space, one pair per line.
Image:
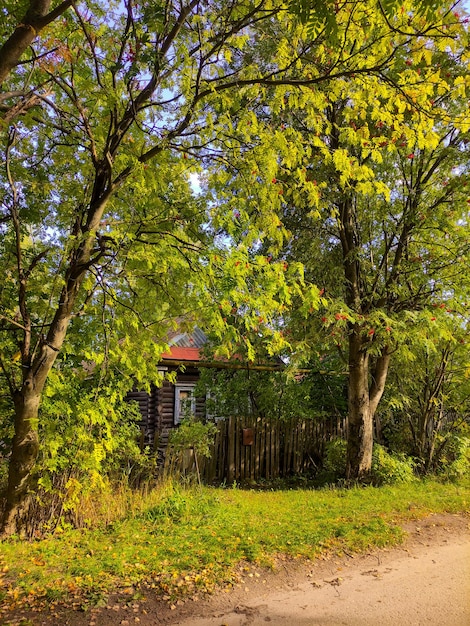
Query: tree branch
x=35 y=19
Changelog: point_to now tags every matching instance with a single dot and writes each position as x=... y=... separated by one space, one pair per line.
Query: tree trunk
x=376 y=390
x=25 y=446
x=364 y=398
x=27 y=399
x=24 y=453
x=360 y=417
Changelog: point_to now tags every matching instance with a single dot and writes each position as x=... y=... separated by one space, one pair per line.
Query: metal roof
x=195 y=339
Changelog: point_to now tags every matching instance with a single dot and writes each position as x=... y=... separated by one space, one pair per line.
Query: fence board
x=231 y=449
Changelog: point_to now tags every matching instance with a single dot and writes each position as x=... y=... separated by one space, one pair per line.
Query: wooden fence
x=249 y=449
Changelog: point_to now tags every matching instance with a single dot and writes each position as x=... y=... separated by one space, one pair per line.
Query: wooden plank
x=273 y=449
x=222 y=459
x=262 y=459
x=299 y=446
x=294 y=425
x=223 y=454
x=237 y=447
x=309 y=446
x=291 y=449
x=258 y=439
x=243 y=452
x=211 y=463
x=286 y=446
x=268 y=449
x=304 y=445
x=252 y=450
x=231 y=450
x=292 y=431
x=305 y=460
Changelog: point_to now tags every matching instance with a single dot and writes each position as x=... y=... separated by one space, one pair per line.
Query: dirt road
x=426 y=582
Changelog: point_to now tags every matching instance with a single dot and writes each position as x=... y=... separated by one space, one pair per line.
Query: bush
x=335 y=458
x=89 y=442
x=387 y=467
x=390 y=467
x=193 y=434
x=455 y=462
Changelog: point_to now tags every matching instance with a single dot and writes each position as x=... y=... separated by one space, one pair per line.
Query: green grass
x=189 y=540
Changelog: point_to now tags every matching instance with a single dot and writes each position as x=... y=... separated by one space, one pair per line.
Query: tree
x=365 y=169
x=97 y=216
x=38 y=15
x=426 y=413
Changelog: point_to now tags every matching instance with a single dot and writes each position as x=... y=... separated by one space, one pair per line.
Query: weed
x=173 y=507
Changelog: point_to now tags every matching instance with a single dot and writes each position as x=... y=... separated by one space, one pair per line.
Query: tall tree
x=427 y=413
x=362 y=172
x=95 y=182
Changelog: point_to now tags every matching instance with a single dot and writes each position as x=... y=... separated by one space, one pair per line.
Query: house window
x=212 y=407
x=185 y=401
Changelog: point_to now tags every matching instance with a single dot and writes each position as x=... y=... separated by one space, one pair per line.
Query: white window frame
x=179 y=387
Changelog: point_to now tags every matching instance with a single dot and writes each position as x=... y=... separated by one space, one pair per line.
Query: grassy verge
x=187 y=541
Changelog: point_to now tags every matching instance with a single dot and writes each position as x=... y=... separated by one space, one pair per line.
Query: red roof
x=182 y=354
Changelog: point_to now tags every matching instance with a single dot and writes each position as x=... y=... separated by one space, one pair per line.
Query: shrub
x=335 y=458
x=455 y=463
x=390 y=467
x=193 y=433
x=175 y=506
x=387 y=467
x=89 y=441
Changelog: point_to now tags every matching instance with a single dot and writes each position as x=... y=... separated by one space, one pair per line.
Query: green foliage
x=299 y=139
x=324 y=15
x=193 y=434
x=454 y=463
x=188 y=541
x=174 y=507
x=182 y=505
x=389 y=468
x=99 y=218
x=90 y=437
x=423 y=412
x=314 y=394
x=334 y=462
x=362 y=180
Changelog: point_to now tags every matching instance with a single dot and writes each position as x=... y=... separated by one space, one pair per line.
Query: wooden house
x=245 y=447
x=163 y=408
